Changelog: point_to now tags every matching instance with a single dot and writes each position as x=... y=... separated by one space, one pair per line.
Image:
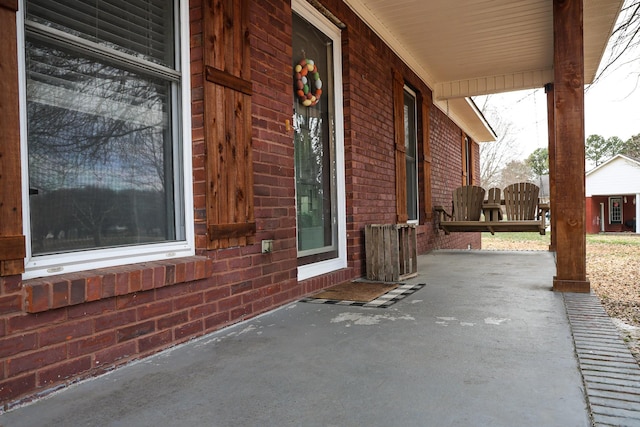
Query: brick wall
x=63 y=328
x=446 y=169
x=369 y=142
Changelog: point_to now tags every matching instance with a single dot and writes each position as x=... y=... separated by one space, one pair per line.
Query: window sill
x=66 y=290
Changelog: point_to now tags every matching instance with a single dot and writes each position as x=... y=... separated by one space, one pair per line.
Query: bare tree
x=515 y=171
x=495 y=155
x=625 y=39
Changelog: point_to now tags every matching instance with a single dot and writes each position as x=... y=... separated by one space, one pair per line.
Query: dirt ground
x=613 y=268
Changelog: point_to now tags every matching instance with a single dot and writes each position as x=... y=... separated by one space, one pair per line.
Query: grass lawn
x=537 y=242
x=516 y=241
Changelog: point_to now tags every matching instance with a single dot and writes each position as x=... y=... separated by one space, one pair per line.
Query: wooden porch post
x=569 y=203
x=551 y=130
x=12 y=243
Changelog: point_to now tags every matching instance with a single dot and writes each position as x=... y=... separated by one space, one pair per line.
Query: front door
x=318 y=148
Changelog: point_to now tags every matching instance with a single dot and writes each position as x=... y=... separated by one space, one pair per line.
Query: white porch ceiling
x=463 y=48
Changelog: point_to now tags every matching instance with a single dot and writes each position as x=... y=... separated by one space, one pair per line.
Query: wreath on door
x=307 y=83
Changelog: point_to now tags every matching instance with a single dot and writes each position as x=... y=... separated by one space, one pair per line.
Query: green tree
x=594 y=149
x=631 y=147
x=538 y=161
x=616 y=145
x=598 y=150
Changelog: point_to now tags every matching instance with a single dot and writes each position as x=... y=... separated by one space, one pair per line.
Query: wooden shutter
x=401 y=161
x=471 y=161
x=463 y=149
x=425 y=164
x=227 y=112
x=468 y=160
x=12 y=242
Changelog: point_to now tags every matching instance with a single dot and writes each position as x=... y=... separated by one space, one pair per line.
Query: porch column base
x=581 y=286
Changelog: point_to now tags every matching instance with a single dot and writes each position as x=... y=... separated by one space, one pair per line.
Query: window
x=411 y=152
x=615 y=210
x=405 y=124
x=107 y=167
x=318 y=144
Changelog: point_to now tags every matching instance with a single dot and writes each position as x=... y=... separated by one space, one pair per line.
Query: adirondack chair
x=522 y=210
x=521 y=201
x=466 y=210
x=467 y=203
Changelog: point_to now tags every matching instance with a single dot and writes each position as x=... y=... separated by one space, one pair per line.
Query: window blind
x=142 y=28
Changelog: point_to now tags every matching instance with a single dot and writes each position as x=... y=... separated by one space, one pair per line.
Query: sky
x=612 y=108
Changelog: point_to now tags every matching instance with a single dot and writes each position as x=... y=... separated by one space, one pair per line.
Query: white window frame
x=47 y=265
x=318 y=20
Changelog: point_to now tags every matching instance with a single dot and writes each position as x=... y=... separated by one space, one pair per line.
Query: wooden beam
x=551 y=130
x=12 y=249
x=230 y=81
x=229 y=231
x=569 y=203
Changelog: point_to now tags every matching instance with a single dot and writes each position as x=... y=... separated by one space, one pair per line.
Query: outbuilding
x=613 y=192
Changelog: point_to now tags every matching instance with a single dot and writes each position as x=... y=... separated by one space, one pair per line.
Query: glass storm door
x=315 y=148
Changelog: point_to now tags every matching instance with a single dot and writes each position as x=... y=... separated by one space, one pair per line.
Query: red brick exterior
x=446 y=176
x=63 y=328
x=593 y=224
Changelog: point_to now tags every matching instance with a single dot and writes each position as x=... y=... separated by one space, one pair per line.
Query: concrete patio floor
x=484 y=343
